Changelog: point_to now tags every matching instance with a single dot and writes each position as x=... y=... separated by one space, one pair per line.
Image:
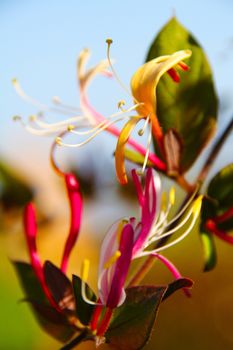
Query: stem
x=214 y=153
x=148 y=263
x=81 y=337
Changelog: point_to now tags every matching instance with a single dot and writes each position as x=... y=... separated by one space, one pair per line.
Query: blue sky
x=40 y=41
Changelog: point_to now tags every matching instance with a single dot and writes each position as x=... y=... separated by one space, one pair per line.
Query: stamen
x=164 y=201
x=147 y=150
x=172 y=196
x=195 y=211
x=84 y=276
x=85 y=270
x=120 y=104
x=57 y=125
x=181 y=212
x=56 y=100
x=174 y=75
x=112 y=259
x=109 y=42
x=142 y=130
x=25 y=97
x=97 y=132
x=168 y=233
x=183 y=65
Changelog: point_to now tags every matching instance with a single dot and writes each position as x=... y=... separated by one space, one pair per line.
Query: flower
x=155 y=225
x=143 y=87
x=30 y=228
x=84 y=117
x=129 y=239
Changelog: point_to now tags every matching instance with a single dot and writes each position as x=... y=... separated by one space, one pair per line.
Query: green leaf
x=14 y=192
x=133 y=321
x=189 y=107
x=59 y=286
x=83 y=310
x=210 y=257
x=176 y=285
x=53 y=322
x=29 y=281
x=219 y=198
x=221 y=188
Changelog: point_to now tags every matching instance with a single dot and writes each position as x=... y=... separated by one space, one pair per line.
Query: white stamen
x=109 y=42
x=147 y=150
x=168 y=233
x=97 y=132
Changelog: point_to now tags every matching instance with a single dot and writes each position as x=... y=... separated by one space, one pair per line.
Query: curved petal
x=75 y=200
x=120 y=149
x=146 y=78
x=117 y=293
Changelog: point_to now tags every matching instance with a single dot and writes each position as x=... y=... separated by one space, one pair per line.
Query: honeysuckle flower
x=84 y=117
x=155 y=225
x=143 y=87
x=30 y=227
x=130 y=239
x=115 y=258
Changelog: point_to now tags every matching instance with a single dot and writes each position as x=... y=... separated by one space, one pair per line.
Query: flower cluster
x=75 y=305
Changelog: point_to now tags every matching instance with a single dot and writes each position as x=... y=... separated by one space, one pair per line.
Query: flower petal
x=75 y=200
x=120 y=149
x=146 y=78
x=117 y=294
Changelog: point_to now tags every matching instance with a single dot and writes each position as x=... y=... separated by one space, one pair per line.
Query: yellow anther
x=164 y=201
x=172 y=196
x=119 y=229
x=197 y=205
x=120 y=104
x=85 y=269
x=109 y=41
x=32 y=118
x=94 y=332
x=112 y=259
x=16 y=118
x=14 y=81
x=58 y=141
x=70 y=127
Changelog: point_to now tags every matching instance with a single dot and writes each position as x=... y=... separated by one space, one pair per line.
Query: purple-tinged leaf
x=176 y=285
x=29 y=282
x=83 y=310
x=52 y=322
x=132 y=322
x=59 y=286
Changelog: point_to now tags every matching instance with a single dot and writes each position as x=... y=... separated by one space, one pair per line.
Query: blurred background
x=40 y=42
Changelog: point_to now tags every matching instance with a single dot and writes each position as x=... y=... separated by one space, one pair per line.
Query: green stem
x=149 y=262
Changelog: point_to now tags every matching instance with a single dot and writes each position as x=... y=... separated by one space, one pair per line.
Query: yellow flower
x=143 y=87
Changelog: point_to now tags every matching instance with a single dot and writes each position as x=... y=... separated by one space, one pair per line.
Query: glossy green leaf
x=133 y=321
x=53 y=322
x=14 y=192
x=220 y=188
x=29 y=281
x=83 y=310
x=189 y=107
